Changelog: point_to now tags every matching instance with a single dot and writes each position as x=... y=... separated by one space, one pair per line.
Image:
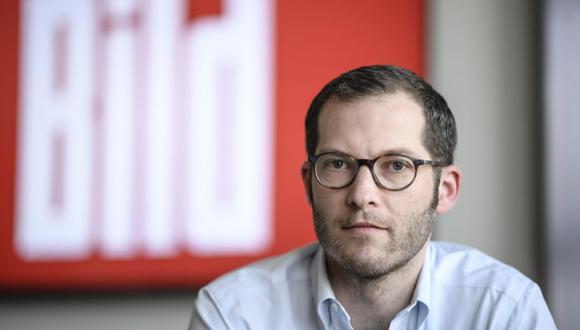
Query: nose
x=363 y=190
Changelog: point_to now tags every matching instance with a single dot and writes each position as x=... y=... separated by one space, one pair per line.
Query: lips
x=365 y=221
x=364 y=225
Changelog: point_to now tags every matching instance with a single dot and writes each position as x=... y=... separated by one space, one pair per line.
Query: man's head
x=440 y=134
x=366 y=113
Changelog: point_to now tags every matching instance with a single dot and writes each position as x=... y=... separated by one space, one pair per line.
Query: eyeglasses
x=392 y=172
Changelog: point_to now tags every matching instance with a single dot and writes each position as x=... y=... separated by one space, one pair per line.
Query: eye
x=334 y=163
x=397 y=165
x=394 y=165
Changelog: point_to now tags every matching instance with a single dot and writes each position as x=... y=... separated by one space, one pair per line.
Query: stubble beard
x=402 y=245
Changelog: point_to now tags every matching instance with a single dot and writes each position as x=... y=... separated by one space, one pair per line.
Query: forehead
x=372 y=125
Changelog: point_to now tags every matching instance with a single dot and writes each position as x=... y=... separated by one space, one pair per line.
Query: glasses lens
x=335 y=170
x=394 y=172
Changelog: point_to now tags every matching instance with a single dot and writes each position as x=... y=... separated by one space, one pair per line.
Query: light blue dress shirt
x=458 y=288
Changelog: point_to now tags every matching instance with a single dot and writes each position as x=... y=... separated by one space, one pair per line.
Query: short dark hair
x=439 y=135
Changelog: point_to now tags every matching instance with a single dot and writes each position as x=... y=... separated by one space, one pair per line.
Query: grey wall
x=482 y=59
x=97 y=312
x=562 y=178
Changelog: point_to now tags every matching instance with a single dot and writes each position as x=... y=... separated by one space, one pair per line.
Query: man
x=380 y=145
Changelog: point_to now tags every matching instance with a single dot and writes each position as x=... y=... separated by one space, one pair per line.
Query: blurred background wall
x=561 y=117
x=486 y=58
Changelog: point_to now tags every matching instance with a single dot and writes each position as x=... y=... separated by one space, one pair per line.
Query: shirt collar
x=324 y=295
x=422 y=293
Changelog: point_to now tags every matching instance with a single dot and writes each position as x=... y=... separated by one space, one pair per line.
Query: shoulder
x=258 y=294
x=458 y=266
x=273 y=271
x=489 y=293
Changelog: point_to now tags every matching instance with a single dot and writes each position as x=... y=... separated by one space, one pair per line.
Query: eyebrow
x=400 y=151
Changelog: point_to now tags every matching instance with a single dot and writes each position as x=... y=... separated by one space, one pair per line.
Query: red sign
x=158 y=143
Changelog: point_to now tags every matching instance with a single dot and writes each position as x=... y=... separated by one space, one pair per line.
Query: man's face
x=366 y=230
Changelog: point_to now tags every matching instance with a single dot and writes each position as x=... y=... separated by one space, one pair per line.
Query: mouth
x=364 y=227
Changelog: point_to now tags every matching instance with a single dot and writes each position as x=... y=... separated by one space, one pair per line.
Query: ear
x=306 y=172
x=449 y=186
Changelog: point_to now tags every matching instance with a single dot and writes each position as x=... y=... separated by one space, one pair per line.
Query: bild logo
x=145 y=129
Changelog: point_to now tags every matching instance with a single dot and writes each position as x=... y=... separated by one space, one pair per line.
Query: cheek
x=414 y=199
x=328 y=201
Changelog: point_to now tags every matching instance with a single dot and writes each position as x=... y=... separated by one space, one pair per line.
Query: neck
x=376 y=301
